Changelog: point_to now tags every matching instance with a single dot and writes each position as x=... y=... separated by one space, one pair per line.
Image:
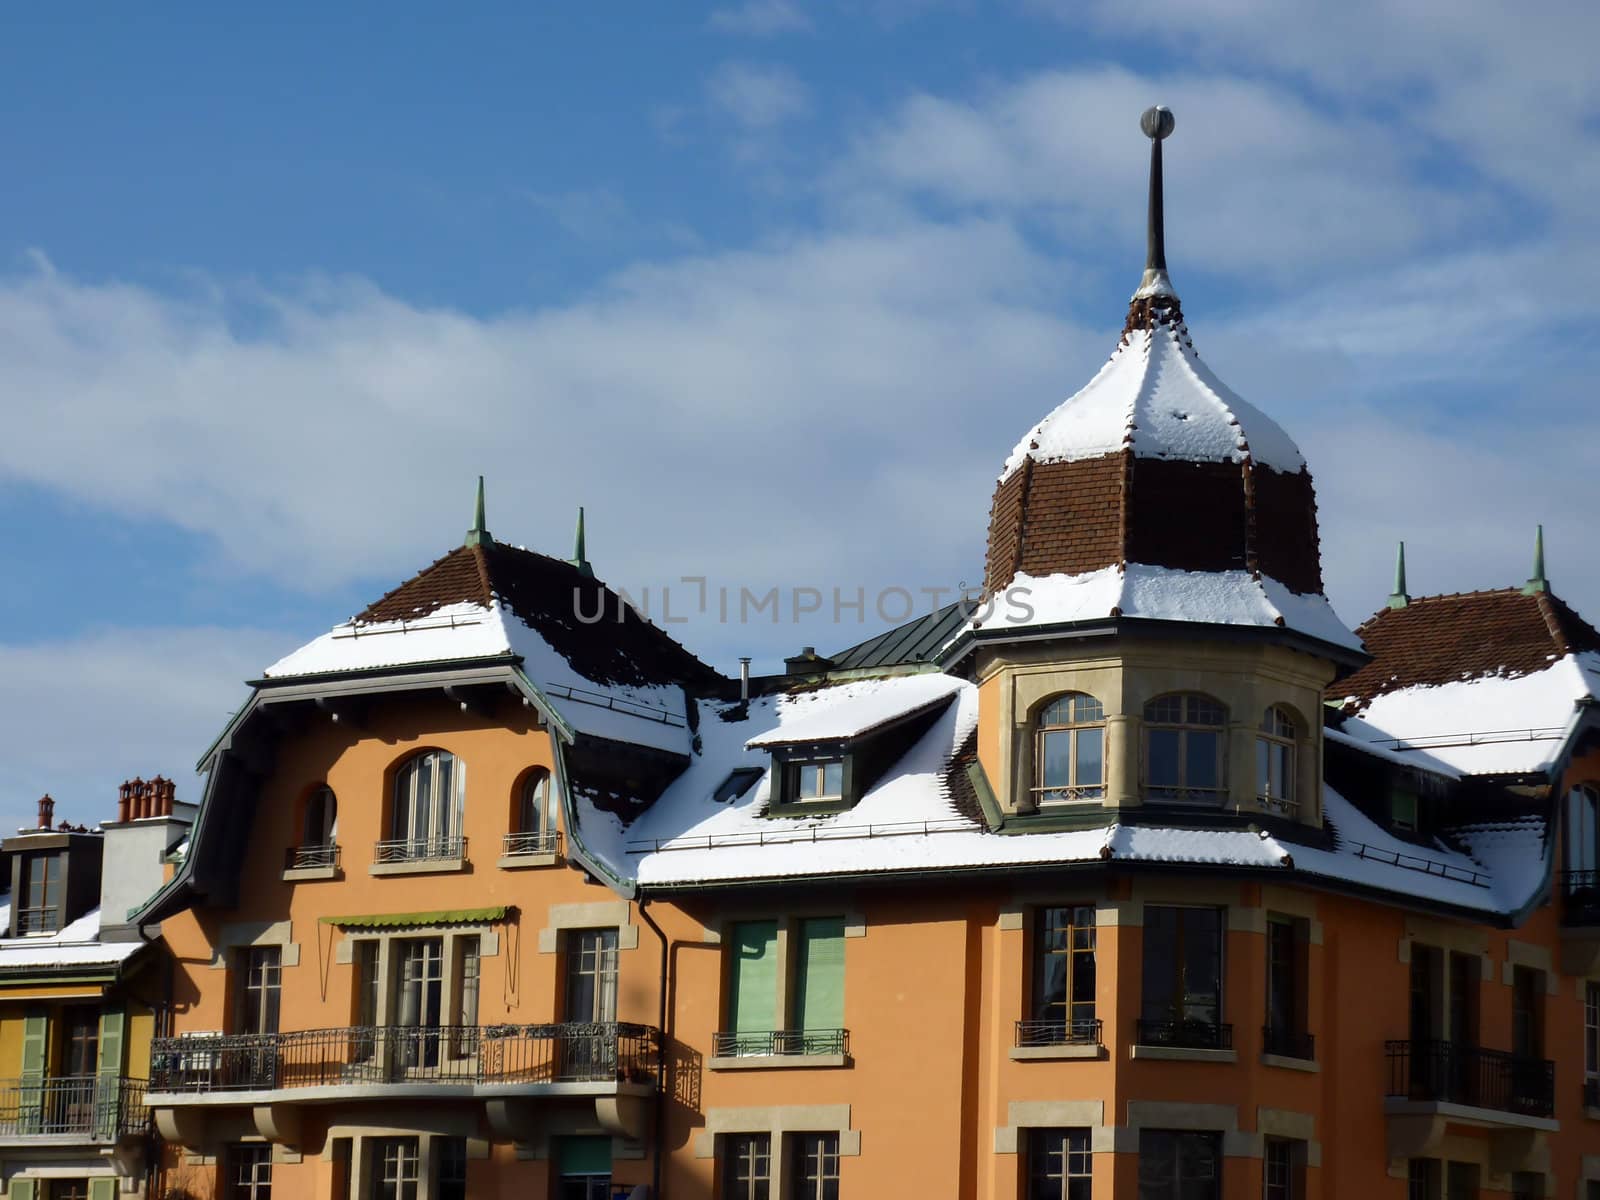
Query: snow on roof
x=77 y=945
x=1158 y=399
x=651 y=715
x=1488 y=726
x=852 y=709
x=908 y=821
x=1163 y=593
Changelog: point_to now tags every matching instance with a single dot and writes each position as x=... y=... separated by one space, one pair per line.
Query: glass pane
x=1055 y=750
x=833 y=779
x=1263 y=767
x=1090 y=756
x=1201 y=759
x=1163 y=745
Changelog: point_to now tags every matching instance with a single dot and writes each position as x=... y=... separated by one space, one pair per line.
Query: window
x=1177 y=1165
x=1281 y=1170
x=752 y=989
x=1527 y=994
x=1527 y=1185
x=1184 y=748
x=1069 y=750
x=592 y=975
x=420 y=999
x=1422 y=1179
x=736 y=784
x=68 y=1189
x=469 y=966
x=80 y=1043
x=1426 y=1003
x=533 y=828
x=42 y=882
x=1285 y=1031
x=1583 y=829
x=396 y=1172
x=583 y=1165
x=425 y=818
x=450 y=1158
x=366 y=999
x=1059 y=1164
x=321 y=818
x=1461 y=1181
x=746 y=1166
x=1275 y=761
x=1182 y=1002
x=1403 y=808
x=1591 y=1043
x=816 y=1167
x=1063 y=976
x=818 y=781
x=258 y=1001
x=248 y=1172
x=813 y=1022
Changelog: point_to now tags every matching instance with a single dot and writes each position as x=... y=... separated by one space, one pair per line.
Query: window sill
x=302 y=874
x=777 y=1062
x=1065 y=1050
x=1182 y=1054
x=516 y=862
x=1290 y=1064
x=424 y=866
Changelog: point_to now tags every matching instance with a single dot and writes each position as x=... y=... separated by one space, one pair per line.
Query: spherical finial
x=1157 y=122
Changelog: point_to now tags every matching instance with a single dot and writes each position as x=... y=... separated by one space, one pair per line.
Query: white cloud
x=757 y=96
x=760 y=18
x=83 y=714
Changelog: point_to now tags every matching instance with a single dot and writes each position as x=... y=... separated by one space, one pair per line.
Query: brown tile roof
x=620 y=647
x=1466 y=635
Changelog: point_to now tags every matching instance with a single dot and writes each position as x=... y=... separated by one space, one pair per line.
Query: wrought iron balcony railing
x=429 y=849
x=1580 y=897
x=573 y=1052
x=1186 y=1033
x=546 y=842
x=300 y=858
x=1286 y=1043
x=44 y=919
x=99 y=1108
x=1471 y=1076
x=1058 y=1033
x=780 y=1041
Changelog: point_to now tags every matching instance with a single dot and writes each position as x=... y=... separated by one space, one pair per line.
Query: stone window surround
x=1155 y=1114
x=779 y=1122
x=244 y=935
x=428 y=1132
x=597 y=914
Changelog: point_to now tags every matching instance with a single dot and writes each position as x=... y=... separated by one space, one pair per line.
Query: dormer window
x=1069 y=750
x=818 y=782
x=1275 y=760
x=1183 y=738
x=43 y=887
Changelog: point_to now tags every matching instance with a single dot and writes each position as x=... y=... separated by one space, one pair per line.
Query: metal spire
x=579 y=557
x=1158 y=124
x=1399 y=598
x=479 y=533
x=1537 y=582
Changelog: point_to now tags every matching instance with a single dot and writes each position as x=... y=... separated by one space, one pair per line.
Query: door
x=73 y=1099
x=420 y=997
x=588 y=1047
x=1466 y=1076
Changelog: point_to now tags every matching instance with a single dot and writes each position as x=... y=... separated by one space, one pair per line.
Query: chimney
x=47 y=811
x=744 y=679
x=124 y=801
x=150 y=822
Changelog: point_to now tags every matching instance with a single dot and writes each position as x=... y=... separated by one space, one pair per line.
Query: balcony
x=320 y=861
x=74 y=1108
x=1470 y=1077
x=408 y=856
x=1057 y=1039
x=779 y=1048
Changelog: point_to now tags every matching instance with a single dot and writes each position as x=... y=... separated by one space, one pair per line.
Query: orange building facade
x=1146 y=879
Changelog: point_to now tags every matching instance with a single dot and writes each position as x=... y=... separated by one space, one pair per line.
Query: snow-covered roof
x=910 y=820
x=77 y=945
x=1161 y=593
x=1156 y=398
x=851 y=709
x=1491 y=725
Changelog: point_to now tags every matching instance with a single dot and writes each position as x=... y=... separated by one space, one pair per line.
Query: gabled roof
x=1435 y=640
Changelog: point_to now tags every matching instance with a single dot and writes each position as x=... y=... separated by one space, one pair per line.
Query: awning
x=443 y=916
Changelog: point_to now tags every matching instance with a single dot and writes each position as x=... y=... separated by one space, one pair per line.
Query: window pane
x=1202 y=758
x=1090 y=756
x=1056 y=753
x=1163 y=745
x=833 y=778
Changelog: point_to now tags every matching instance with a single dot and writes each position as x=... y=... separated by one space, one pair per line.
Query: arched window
x=533 y=827
x=1183 y=741
x=320 y=823
x=1275 y=760
x=1069 y=750
x=425 y=818
x=1583 y=830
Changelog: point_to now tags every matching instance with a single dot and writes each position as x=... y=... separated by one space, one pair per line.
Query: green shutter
x=21 y=1189
x=583 y=1155
x=753 y=999
x=35 y=1050
x=103 y=1187
x=113 y=1021
x=819 y=990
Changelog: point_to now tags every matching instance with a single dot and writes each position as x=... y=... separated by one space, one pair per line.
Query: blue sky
x=772 y=288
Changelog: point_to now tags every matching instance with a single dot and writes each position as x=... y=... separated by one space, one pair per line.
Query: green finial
x=1398 y=598
x=1537 y=582
x=579 y=558
x=479 y=533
